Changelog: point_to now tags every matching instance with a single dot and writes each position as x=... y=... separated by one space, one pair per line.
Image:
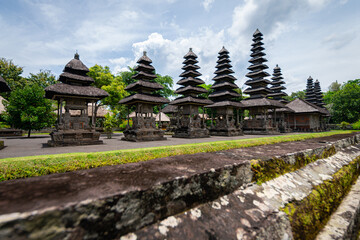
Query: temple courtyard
x=37 y=144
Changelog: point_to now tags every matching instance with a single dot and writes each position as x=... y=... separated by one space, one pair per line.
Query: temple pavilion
x=309 y=115
x=144 y=100
x=74 y=93
x=189 y=122
x=226 y=110
x=261 y=120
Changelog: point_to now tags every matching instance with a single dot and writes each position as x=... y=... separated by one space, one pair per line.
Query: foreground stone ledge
x=344 y=223
x=251 y=212
x=108 y=202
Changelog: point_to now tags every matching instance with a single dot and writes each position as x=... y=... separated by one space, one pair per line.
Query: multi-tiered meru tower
x=143 y=100
x=309 y=92
x=226 y=116
x=318 y=94
x=260 y=121
x=278 y=94
x=277 y=86
x=189 y=122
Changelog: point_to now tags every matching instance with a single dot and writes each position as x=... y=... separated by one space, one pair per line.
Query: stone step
x=345 y=222
x=251 y=212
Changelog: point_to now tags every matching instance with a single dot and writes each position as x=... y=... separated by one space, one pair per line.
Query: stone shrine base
x=74 y=137
x=143 y=135
x=191 y=133
x=226 y=132
x=261 y=131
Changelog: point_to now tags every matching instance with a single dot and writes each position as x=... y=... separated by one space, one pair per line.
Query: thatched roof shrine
x=224 y=86
x=302 y=106
x=258 y=84
x=277 y=86
x=145 y=85
x=75 y=83
x=190 y=82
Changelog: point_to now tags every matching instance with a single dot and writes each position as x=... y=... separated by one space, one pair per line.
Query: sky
x=318 y=38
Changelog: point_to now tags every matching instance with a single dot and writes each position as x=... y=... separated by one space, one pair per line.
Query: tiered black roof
x=75 y=82
x=190 y=81
x=145 y=85
x=277 y=87
x=318 y=94
x=309 y=92
x=4 y=87
x=224 y=85
x=258 y=84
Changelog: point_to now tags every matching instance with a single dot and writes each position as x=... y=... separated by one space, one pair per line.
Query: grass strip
x=23 y=167
x=309 y=216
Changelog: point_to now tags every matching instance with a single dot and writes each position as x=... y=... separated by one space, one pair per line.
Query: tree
x=127 y=76
x=294 y=95
x=27 y=109
x=334 y=87
x=105 y=80
x=345 y=103
x=11 y=73
x=167 y=82
x=43 y=78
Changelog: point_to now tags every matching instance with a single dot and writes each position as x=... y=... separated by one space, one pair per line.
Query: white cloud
x=207 y=4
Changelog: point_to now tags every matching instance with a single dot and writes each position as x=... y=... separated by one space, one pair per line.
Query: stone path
x=36 y=145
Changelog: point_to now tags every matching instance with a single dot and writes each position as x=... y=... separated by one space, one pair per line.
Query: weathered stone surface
x=107 y=202
x=251 y=212
x=344 y=223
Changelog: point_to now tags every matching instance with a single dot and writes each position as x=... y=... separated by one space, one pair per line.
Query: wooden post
x=61 y=105
x=212 y=119
x=92 y=114
x=203 y=120
x=160 y=124
x=128 y=117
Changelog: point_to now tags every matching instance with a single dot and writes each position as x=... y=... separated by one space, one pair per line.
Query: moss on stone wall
x=309 y=216
x=275 y=167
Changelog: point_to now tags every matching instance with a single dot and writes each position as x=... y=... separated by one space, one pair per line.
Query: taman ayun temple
x=75 y=93
x=189 y=123
x=144 y=100
x=225 y=109
x=262 y=110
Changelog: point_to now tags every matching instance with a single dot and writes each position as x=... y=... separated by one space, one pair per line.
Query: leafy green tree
x=335 y=86
x=208 y=89
x=12 y=75
x=27 y=109
x=167 y=82
x=345 y=103
x=43 y=78
x=127 y=76
x=294 y=95
x=105 y=80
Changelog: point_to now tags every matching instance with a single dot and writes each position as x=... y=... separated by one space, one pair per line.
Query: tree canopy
x=27 y=109
x=344 y=104
x=294 y=95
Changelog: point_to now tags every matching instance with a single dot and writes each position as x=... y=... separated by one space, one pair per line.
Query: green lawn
x=22 y=167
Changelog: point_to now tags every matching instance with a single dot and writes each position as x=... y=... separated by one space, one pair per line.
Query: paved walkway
x=36 y=145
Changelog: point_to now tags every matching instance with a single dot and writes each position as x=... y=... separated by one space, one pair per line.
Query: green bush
x=124 y=123
x=344 y=125
x=356 y=126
